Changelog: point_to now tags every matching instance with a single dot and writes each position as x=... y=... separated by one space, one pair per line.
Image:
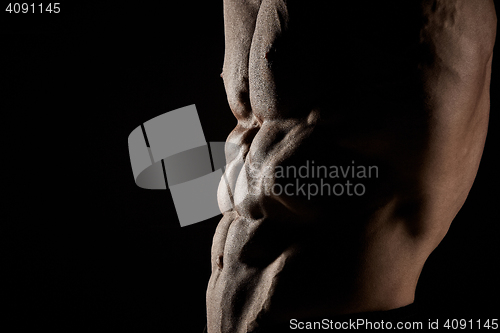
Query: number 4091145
x=33 y=8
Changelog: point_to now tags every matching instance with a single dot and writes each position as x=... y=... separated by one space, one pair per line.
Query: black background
x=86 y=249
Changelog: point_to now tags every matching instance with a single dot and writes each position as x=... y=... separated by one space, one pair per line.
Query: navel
x=220 y=263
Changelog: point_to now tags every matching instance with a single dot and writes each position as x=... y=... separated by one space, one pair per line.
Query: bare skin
x=331 y=83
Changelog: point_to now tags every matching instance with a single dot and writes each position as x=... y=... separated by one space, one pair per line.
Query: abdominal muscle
x=278 y=256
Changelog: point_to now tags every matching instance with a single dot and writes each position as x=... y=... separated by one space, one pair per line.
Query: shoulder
x=467 y=27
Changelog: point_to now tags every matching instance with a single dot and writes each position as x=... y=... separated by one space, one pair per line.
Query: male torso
x=401 y=87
